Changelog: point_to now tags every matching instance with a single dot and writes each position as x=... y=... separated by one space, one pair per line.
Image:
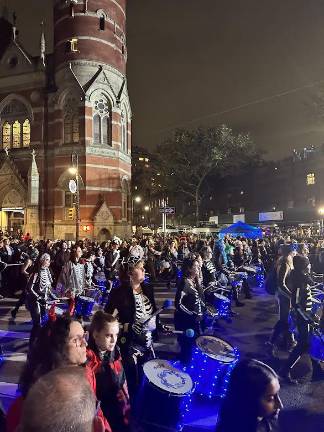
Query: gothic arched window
x=102 y=122
x=124 y=132
x=26 y=133
x=15 y=125
x=71 y=120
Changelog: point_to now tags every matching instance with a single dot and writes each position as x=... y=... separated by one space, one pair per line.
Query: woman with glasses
x=105 y=360
x=60 y=343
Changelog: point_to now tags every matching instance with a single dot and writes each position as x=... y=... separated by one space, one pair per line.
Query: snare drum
x=84 y=306
x=164 y=396
x=222 y=304
x=211 y=365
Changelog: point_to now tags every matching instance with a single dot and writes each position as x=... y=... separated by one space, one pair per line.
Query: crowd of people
x=99 y=355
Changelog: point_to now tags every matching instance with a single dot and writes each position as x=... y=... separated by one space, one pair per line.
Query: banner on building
x=239 y=218
x=213 y=219
x=271 y=216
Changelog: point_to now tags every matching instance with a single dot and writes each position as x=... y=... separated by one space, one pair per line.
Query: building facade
x=69 y=109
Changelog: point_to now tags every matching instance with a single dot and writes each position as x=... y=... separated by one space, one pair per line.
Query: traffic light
x=71 y=213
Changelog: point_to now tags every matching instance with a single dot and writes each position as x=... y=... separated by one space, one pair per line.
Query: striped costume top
x=143 y=311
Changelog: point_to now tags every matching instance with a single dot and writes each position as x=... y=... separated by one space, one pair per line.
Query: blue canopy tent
x=241 y=229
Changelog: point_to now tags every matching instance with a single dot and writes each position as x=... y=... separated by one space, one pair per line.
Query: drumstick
x=167 y=304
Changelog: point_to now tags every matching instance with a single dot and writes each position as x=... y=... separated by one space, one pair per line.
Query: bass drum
x=164 y=396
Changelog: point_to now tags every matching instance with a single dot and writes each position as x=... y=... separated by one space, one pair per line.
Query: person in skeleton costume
x=38 y=291
x=133 y=304
x=190 y=306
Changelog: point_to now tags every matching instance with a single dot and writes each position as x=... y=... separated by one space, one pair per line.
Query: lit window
x=146 y=159
x=310 y=179
x=16 y=134
x=6 y=134
x=74 y=45
x=140 y=159
x=26 y=133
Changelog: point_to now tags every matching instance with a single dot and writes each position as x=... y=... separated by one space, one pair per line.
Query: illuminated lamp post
x=74 y=189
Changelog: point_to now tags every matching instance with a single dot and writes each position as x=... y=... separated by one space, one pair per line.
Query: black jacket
x=122 y=299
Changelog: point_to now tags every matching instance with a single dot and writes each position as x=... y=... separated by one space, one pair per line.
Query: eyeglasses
x=80 y=340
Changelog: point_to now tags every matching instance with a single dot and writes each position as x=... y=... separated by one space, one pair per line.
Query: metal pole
x=77 y=197
x=164 y=219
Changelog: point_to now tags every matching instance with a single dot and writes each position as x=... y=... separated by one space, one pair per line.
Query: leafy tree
x=186 y=159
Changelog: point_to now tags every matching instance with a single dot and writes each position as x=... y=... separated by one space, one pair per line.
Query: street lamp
x=138 y=199
x=74 y=188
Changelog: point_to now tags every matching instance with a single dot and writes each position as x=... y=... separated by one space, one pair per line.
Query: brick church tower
x=76 y=106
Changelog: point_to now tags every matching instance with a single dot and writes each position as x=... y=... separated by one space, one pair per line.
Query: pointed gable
x=15 y=60
x=104 y=215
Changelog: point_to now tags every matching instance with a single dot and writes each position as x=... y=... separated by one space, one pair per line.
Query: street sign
x=167 y=210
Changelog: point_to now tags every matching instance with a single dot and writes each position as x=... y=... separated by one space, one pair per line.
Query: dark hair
x=300 y=263
x=240 y=408
x=73 y=254
x=47 y=353
x=204 y=252
x=98 y=322
x=187 y=266
x=61 y=400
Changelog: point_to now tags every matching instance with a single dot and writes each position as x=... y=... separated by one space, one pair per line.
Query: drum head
x=86 y=299
x=222 y=297
x=216 y=348
x=167 y=378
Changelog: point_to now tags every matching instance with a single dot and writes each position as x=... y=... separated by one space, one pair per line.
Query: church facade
x=65 y=122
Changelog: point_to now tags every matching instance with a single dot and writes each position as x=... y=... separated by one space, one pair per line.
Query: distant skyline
x=257 y=66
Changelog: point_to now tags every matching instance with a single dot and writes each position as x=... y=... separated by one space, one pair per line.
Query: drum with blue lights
x=84 y=306
x=164 y=397
x=316 y=346
x=221 y=303
x=211 y=365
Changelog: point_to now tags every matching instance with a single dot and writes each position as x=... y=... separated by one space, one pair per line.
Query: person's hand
x=150 y=325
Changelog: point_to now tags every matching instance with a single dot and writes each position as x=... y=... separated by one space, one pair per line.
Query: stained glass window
x=26 y=133
x=16 y=134
x=6 y=135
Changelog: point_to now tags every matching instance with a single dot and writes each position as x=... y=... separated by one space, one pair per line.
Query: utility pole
x=75 y=166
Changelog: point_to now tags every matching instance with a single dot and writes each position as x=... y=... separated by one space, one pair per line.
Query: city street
x=304 y=404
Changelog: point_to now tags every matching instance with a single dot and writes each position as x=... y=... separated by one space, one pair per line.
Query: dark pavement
x=304 y=404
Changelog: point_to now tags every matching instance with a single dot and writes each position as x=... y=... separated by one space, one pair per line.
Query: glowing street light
x=138 y=199
x=321 y=211
x=147 y=208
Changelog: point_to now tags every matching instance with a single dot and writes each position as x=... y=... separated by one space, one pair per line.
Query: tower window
x=6 y=134
x=26 y=133
x=15 y=130
x=74 y=45
x=102 y=122
x=102 y=23
x=310 y=179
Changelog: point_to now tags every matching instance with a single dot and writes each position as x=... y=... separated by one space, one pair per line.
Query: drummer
x=301 y=298
x=190 y=306
x=133 y=304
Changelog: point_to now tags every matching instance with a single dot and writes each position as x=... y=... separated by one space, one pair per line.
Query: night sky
x=257 y=65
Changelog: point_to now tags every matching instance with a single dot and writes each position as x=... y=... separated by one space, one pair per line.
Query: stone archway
x=103 y=235
x=103 y=222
